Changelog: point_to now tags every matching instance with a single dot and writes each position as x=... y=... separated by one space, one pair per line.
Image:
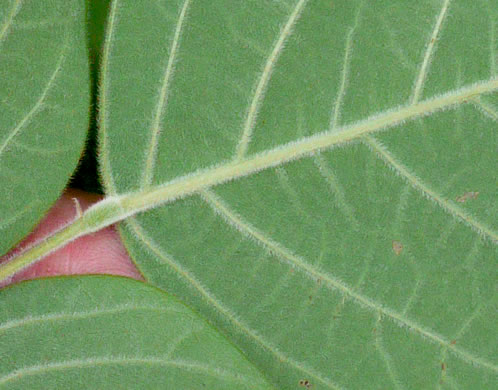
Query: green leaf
x=330 y=173
x=43 y=105
x=101 y=332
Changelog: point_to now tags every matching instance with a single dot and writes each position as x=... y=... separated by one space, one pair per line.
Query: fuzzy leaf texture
x=44 y=101
x=100 y=332
x=349 y=254
x=319 y=180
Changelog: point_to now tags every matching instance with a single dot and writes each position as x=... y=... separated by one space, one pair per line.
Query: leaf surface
x=331 y=167
x=43 y=106
x=111 y=332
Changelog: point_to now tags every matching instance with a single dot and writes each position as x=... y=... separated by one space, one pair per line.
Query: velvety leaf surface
x=43 y=108
x=366 y=266
x=103 y=332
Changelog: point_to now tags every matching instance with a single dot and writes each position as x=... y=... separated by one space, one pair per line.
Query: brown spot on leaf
x=453 y=342
x=443 y=366
x=397 y=247
x=305 y=383
x=467 y=196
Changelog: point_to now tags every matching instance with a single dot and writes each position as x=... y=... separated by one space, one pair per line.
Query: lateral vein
x=163 y=98
x=348 y=51
x=218 y=305
x=263 y=81
x=419 y=85
x=103 y=116
x=312 y=272
x=39 y=103
x=418 y=184
x=121 y=360
x=16 y=6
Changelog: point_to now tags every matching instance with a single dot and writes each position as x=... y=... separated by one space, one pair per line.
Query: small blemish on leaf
x=305 y=383
x=467 y=196
x=453 y=342
x=443 y=366
x=397 y=247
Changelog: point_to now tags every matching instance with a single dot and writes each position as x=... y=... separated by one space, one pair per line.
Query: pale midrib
x=334 y=284
x=118 y=207
x=264 y=79
x=39 y=103
x=162 y=101
x=16 y=6
x=121 y=360
x=185 y=185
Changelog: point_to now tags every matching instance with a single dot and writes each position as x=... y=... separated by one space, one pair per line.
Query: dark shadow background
x=86 y=176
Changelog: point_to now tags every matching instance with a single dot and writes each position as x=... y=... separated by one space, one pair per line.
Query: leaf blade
x=44 y=102
x=111 y=327
x=279 y=263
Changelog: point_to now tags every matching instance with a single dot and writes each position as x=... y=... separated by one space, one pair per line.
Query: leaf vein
x=20 y=213
x=122 y=360
x=315 y=274
x=151 y=154
x=219 y=307
x=103 y=116
x=338 y=191
x=264 y=79
x=486 y=108
x=386 y=356
x=29 y=320
x=415 y=182
x=16 y=6
x=429 y=52
x=348 y=51
x=115 y=208
x=39 y=103
x=218 y=174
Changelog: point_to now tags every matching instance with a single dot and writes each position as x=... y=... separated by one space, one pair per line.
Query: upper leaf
x=43 y=106
x=366 y=266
